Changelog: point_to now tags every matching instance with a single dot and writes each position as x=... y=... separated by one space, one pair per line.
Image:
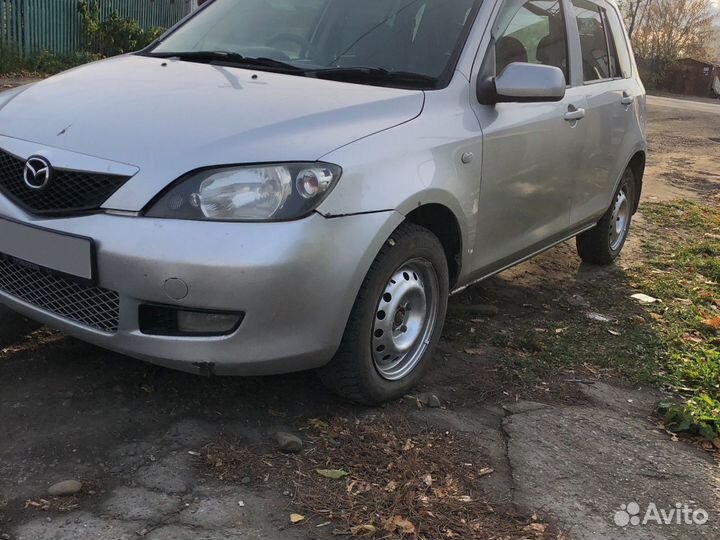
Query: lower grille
x=92 y=306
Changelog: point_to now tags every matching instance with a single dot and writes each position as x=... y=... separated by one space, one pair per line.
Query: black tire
x=597 y=245
x=353 y=373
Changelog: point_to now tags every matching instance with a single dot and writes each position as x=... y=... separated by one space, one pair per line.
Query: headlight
x=250 y=193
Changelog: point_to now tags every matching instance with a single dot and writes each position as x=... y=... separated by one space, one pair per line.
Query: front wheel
x=603 y=243
x=396 y=320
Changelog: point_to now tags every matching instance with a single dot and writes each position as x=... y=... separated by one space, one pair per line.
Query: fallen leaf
x=614 y=332
x=317 y=423
x=362 y=530
x=397 y=522
x=335 y=474
x=712 y=323
x=296 y=518
x=391 y=486
x=535 y=527
x=474 y=352
x=427 y=479
x=485 y=471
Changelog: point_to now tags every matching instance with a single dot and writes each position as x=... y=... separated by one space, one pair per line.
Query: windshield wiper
x=211 y=57
x=373 y=74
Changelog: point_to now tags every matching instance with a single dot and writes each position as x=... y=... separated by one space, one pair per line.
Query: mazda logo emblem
x=38 y=172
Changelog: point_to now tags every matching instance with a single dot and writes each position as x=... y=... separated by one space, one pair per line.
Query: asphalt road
x=684 y=104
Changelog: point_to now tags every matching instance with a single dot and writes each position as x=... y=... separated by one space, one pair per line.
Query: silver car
x=282 y=185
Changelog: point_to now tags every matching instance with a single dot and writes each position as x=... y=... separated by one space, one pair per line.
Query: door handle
x=574 y=114
x=627 y=99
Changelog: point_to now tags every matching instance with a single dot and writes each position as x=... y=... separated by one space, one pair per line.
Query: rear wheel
x=603 y=243
x=396 y=320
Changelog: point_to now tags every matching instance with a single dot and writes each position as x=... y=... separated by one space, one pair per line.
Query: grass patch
x=683 y=271
x=674 y=343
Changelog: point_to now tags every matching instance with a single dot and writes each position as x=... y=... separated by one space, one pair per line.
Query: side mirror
x=523 y=82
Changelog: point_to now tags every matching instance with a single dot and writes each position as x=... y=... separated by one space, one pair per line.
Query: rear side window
x=535 y=32
x=594 y=43
x=619 y=43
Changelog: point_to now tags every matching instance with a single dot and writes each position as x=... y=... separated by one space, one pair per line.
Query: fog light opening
x=171 y=321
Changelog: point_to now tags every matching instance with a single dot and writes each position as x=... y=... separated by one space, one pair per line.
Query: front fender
x=417 y=163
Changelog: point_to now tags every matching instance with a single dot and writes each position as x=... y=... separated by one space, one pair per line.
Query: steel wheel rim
x=620 y=220
x=404 y=319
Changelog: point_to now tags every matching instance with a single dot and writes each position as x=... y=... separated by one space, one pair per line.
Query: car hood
x=168 y=117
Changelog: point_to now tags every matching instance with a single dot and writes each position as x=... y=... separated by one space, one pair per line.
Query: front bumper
x=295 y=281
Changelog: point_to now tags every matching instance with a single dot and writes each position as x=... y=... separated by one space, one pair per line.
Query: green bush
x=115 y=35
x=10 y=59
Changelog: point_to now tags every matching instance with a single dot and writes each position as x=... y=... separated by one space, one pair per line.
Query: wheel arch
x=444 y=224
x=637 y=165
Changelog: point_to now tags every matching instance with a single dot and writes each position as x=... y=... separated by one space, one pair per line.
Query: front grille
x=67 y=191
x=92 y=306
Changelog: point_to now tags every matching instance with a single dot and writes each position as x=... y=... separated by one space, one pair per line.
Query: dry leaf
x=362 y=530
x=296 y=518
x=712 y=323
x=474 y=352
x=535 y=527
x=317 y=423
x=334 y=474
x=427 y=479
x=397 y=522
x=485 y=471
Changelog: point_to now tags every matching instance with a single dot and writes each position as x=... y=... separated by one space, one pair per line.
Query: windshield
x=411 y=40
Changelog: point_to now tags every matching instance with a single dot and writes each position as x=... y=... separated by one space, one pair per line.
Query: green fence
x=36 y=25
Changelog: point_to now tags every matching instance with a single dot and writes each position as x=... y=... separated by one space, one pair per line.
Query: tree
x=634 y=12
x=669 y=30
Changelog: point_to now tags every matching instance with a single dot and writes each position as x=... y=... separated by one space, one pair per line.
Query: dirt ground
x=561 y=457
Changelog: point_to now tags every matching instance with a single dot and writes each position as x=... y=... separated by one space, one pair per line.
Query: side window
x=617 y=39
x=533 y=33
x=596 y=59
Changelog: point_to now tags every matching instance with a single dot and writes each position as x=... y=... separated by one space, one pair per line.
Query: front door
x=531 y=151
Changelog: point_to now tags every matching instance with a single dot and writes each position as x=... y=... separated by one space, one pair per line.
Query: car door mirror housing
x=523 y=82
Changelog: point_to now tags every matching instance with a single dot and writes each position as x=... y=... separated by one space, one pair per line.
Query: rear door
x=612 y=95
